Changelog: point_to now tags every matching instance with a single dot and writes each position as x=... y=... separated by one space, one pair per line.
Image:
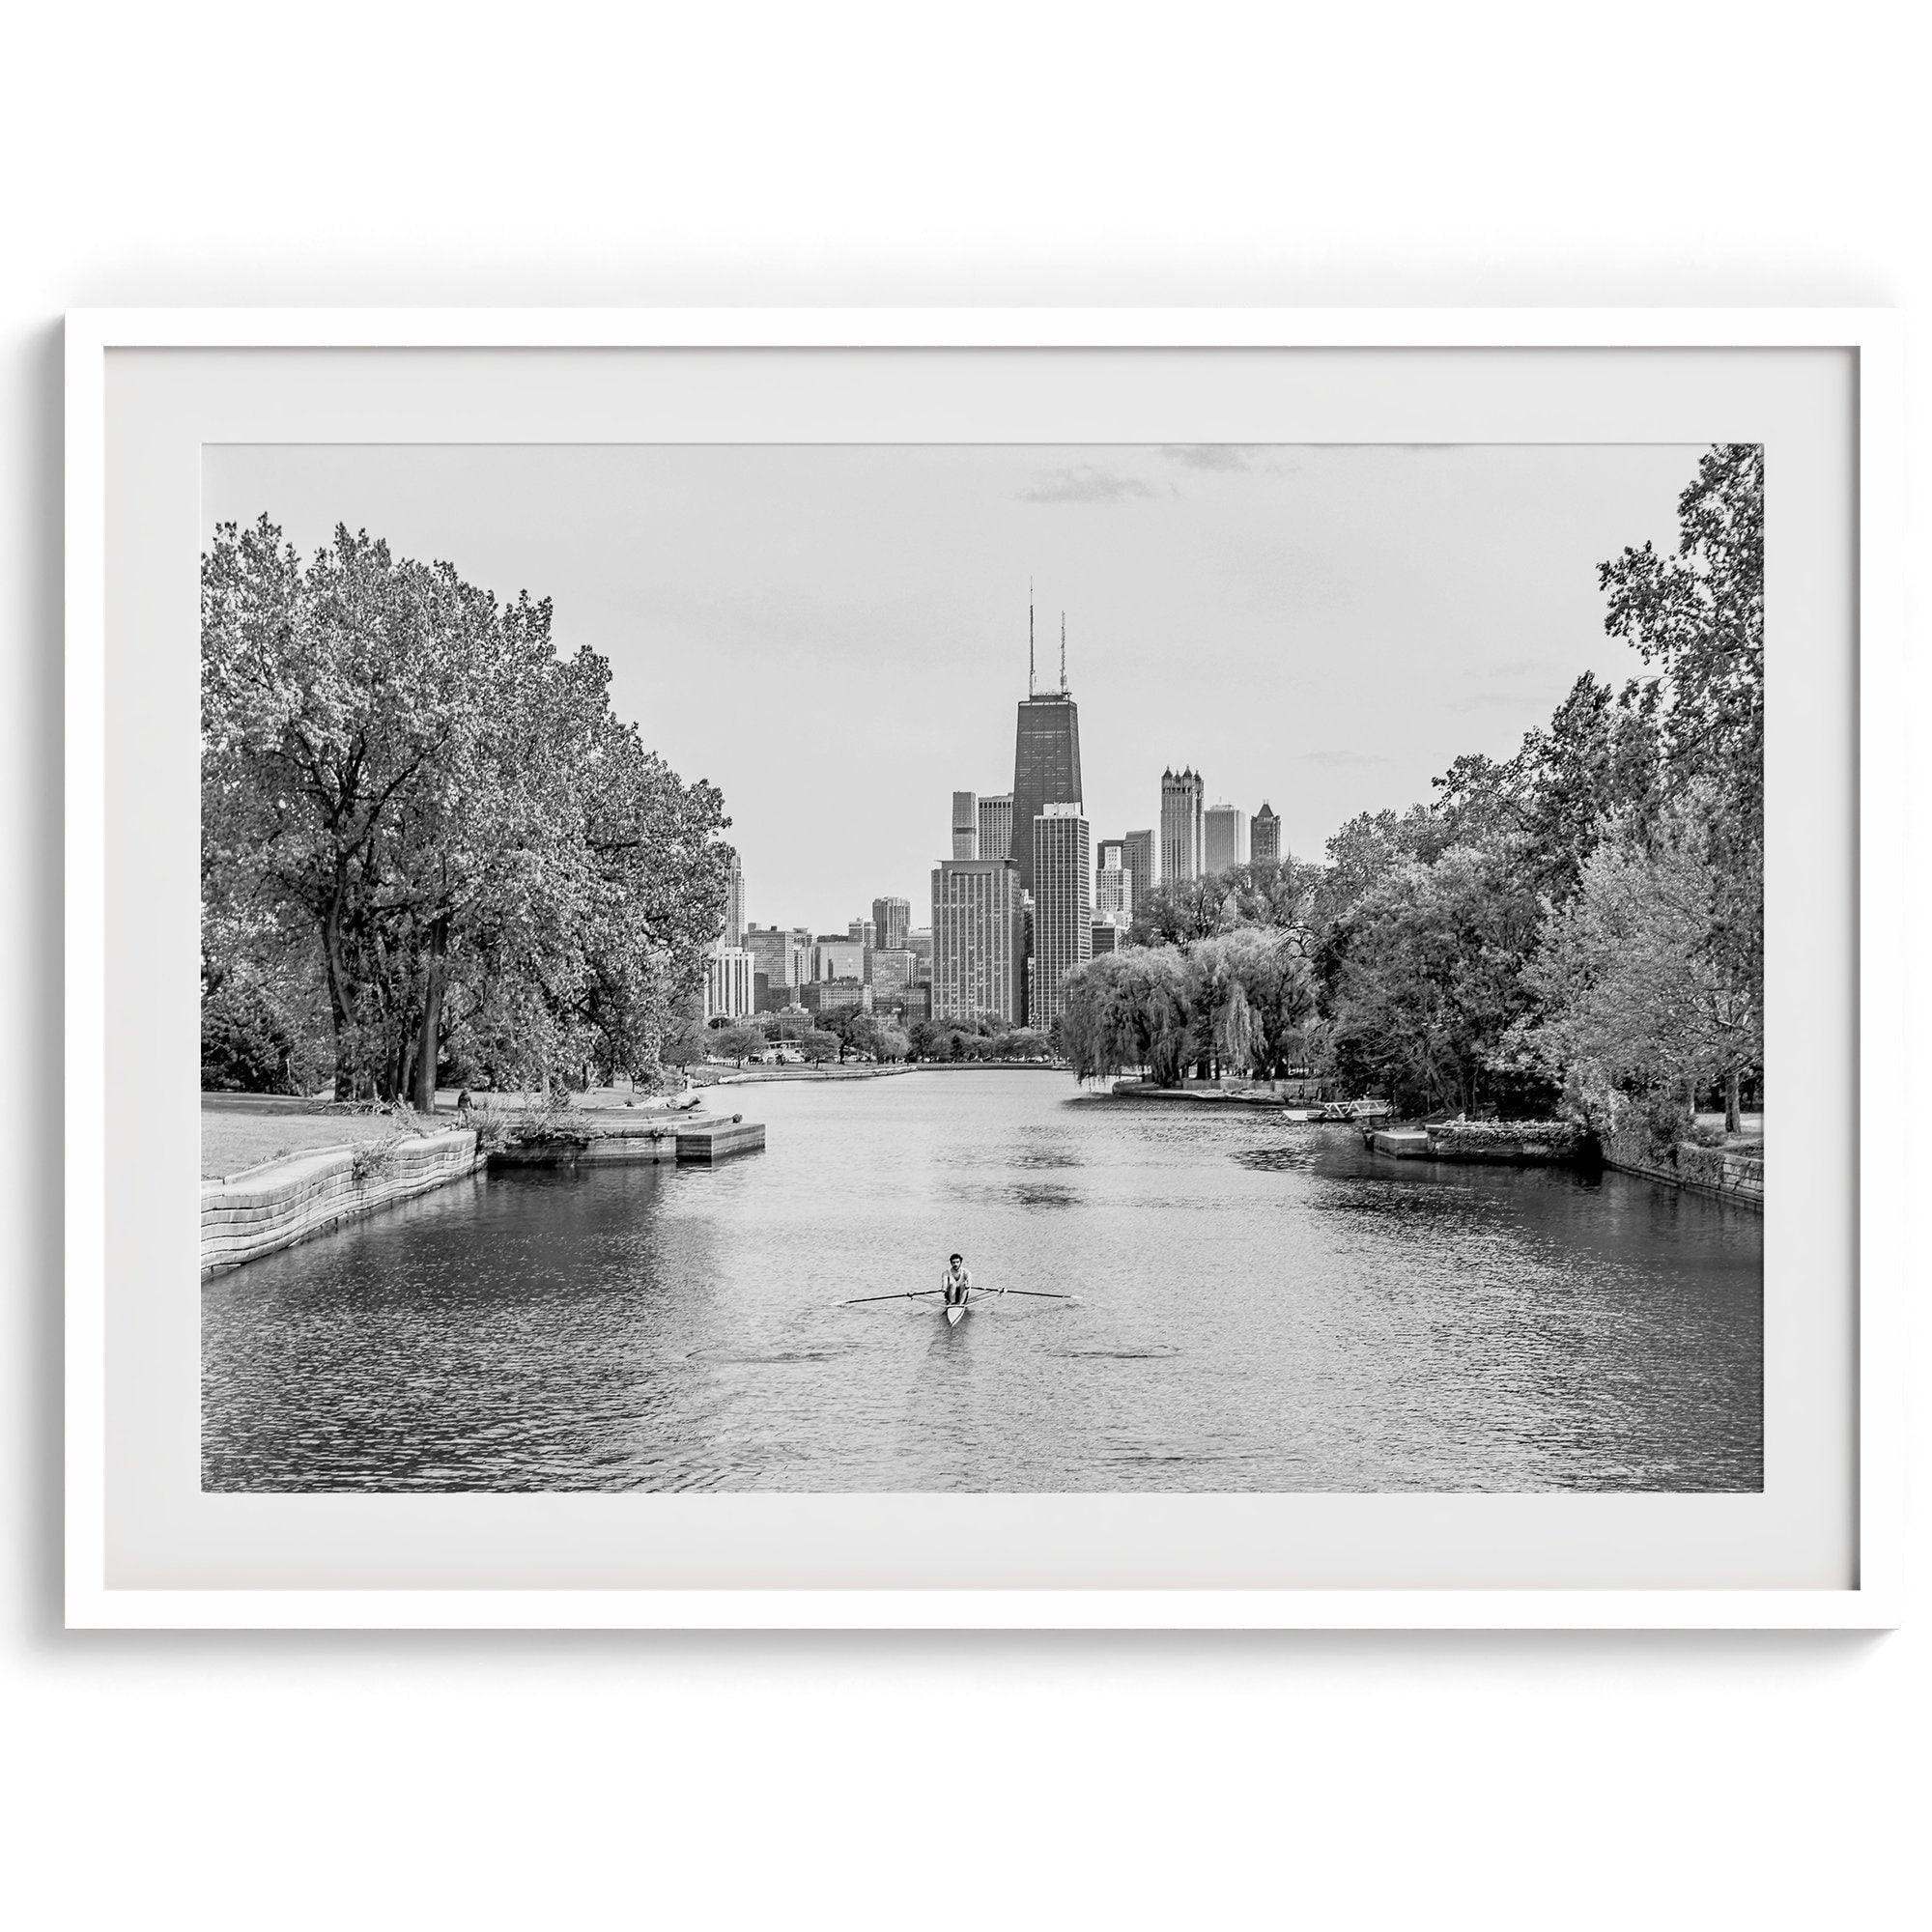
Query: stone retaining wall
x=283 y=1202
x=1717 y=1172
x=1725 y=1174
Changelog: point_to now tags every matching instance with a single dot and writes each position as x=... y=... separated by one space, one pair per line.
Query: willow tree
x=406 y=768
x=1128 y=1008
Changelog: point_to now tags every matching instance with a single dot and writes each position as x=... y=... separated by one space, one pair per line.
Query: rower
x=957 y=1282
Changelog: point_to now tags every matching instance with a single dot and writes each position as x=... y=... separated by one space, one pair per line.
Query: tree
x=1698 y=618
x=735 y=1044
x=1127 y=1010
x=818 y=1046
x=1272 y=967
x=1633 y=994
x=407 y=775
x=1432 y=980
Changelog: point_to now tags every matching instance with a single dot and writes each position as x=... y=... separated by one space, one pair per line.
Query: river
x=1260 y=1306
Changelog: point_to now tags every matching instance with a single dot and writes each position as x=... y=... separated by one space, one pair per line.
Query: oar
x=1038 y=1294
x=904 y=1294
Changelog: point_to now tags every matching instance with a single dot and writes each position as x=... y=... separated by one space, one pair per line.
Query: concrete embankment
x=282 y=1202
x=297 y=1197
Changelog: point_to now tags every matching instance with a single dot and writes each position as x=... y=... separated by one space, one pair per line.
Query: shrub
x=374 y=1158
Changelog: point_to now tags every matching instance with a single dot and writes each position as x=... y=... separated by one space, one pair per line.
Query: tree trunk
x=341 y=1006
x=423 y=1098
x=1733 y=1108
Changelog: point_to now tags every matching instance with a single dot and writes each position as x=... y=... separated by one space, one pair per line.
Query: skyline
x=846 y=628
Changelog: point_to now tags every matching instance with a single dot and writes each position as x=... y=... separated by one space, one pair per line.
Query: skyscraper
x=1265 y=842
x=1141 y=853
x=978 y=962
x=1046 y=755
x=891 y=921
x=735 y=905
x=1113 y=883
x=1225 y=838
x=965 y=825
x=892 y=972
x=996 y=827
x=1182 y=833
x=730 y=985
x=864 y=931
x=1063 y=907
x=838 y=957
x=778 y=957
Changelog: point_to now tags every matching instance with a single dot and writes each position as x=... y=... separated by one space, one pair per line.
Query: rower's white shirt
x=948 y=1279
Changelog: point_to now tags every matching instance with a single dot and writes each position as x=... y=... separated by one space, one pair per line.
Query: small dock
x=1401 y=1142
x=712 y=1141
x=705 y=1139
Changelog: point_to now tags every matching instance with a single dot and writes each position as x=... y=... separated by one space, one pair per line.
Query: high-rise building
x=1046 y=755
x=891 y=921
x=1107 y=936
x=996 y=826
x=1063 y=907
x=894 y=970
x=1140 y=853
x=1225 y=838
x=839 y=956
x=918 y=943
x=1113 y=883
x=1266 y=840
x=965 y=825
x=1182 y=833
x=978 y=962
x=735 y=905
x=778 y=956
x=842 y=995
x=864 y=931
x=729 y=989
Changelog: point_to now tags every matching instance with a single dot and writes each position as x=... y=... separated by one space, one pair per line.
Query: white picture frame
x=1871 y=1597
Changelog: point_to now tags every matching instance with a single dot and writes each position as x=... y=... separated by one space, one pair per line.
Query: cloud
x=1212 y=455
x=1084 y=484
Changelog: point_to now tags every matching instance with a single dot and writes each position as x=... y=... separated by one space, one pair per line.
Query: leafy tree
x=818 y=1046
x=408 y=774
x=735 y=1044
x=1633 y=996
x=1698 y=617
x=1431 y=982
x=1127 y=1010
x=890 y=1042
x=1024 y=1043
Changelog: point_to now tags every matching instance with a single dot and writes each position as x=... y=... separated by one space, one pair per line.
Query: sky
x=835 y=635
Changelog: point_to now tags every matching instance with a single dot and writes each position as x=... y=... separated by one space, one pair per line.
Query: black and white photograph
x=989 y=968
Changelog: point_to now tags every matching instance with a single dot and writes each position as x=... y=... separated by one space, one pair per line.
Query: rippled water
x=1260 y=1306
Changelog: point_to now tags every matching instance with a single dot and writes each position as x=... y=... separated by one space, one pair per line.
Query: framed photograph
x=1170 y=969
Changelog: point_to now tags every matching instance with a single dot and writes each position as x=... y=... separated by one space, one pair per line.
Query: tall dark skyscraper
x=1265 y=834
x=1046 y=755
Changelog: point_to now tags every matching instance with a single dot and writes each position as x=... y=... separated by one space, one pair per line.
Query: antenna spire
x=1030 y=679
x=1062 y=650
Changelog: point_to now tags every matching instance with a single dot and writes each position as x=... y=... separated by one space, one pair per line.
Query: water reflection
x=1260 y=1306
